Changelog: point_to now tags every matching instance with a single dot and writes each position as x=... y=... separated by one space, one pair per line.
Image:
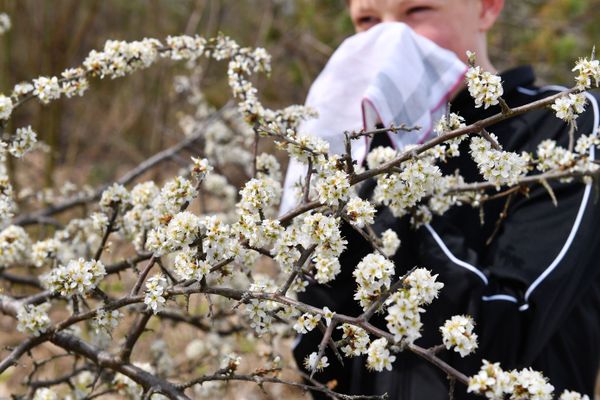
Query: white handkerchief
x=387 y=75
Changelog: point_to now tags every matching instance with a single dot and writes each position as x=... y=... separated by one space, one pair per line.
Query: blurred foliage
x=131 y=118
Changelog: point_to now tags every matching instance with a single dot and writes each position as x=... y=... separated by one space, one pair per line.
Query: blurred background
x=132 y=118
x=119 y=123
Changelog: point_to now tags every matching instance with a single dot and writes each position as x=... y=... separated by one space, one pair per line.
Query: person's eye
x=367 y=21
x=417 y=11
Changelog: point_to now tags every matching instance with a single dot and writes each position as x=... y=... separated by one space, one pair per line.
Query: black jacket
x=534 y=292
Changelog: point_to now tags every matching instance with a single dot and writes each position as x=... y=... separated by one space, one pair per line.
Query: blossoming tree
x=59 y=288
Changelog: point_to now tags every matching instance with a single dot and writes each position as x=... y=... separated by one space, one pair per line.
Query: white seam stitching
x=451 y=256
x=580 y=212
x=500 y=297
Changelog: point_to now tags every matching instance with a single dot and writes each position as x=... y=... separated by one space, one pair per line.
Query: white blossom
x=585 y=142
x=22 y=141
x=497 y=166
x=4 y=23
x=530 y=385
x=46 y=89
x=75 y=83
x=185 y=47
x=491 y=381
x=587 y=70
x=449 y=123
x=188 y=266
x=106 y=320
x=356 y=340
x=6 y=106
x=570 y=395
x=380 y=155
x=15 y=246
x=326 y=268
x=22 y=88
x=378 y=355
x=569 y=107
x=458 y=332
x=201 y=168
x=156 y=287
x=312 y=363
x=33 y=319
x=484 y=87
x=390 y=242
x=45 y=252
x=77 y=277
x=333 y=188
x=360 y=212
x=307 y=322
x=45 y=393
x=373 y=275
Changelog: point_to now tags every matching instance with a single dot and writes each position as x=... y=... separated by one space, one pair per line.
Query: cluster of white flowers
x=484 y=87
x=324 y=232
x=390 y=242
x=449 y=123
x=285 y=250
x=45 y=394
x=380 y=155
x=404 y=306
x=401 y=191
x=585 y=143
x=119 y=58
x=379 y=356
x=571 y=395
x=200 y=168
x=333 y=188
x=373 y=275
x=230 y=363
x=326 y=268
x=22 y=141
x=33 y=319
x=74 y=82
x=551 y=156
x=360 y=212
x=187 y=265
x=115 y=196
x=355 y=339
x=77 y=277
x=174 y=195
x=6 y=107
x=268 y=166
x=45 y=252
x=497 y=166
x=313 y=363
x=4 y=23
x=185 y=47
x=568 y=107
x=15 y=246
x=306 y=146
x=258 y=195
x=106 y=321
x=46 y=89
x=495 y=383
x=306 y=322
x=259 y=311
x=21 y=89
x=458 y=332
x=586 y=71
x=156 y=288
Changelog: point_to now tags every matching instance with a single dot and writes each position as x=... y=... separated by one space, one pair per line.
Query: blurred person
x=528 y=274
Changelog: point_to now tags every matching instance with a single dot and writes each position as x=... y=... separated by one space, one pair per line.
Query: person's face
x=456 y=25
